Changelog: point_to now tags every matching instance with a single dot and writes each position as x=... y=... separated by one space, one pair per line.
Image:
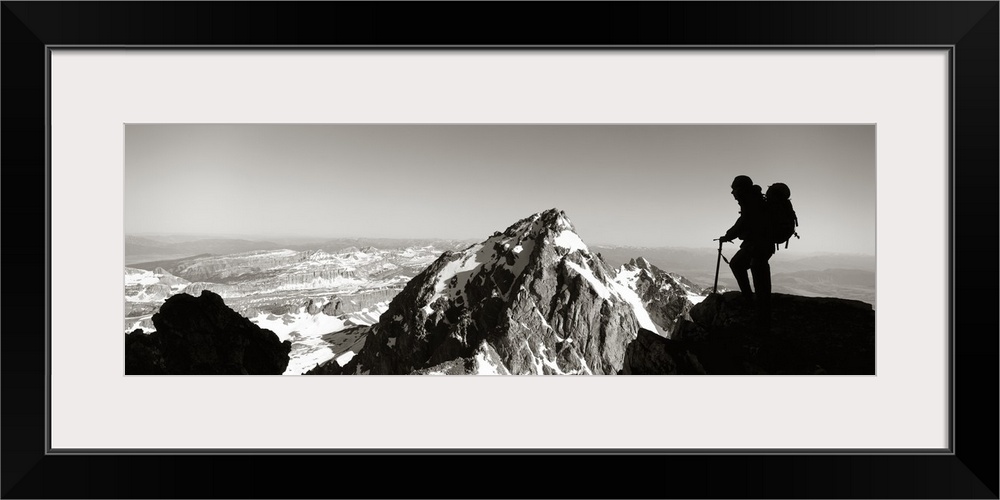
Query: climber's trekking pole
x=715 y=288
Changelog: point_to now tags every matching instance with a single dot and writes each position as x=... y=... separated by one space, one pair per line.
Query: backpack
x=781 y=219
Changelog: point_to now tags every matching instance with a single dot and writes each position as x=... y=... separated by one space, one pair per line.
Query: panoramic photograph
x=506 y=249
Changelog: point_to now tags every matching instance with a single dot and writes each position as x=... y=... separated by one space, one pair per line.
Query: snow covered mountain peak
x=500 y=261
x=531 y=299
x=551 y=220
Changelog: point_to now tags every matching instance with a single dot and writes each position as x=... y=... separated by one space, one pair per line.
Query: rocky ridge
x=808 y=335
x=667 y=297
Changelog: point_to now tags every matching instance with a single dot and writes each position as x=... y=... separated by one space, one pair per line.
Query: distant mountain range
x=149 y=249
x=145 y=249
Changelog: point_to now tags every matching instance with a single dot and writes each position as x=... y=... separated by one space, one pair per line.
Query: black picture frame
x=968 y=29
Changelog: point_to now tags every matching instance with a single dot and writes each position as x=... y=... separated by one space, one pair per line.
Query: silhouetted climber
x=755 y=250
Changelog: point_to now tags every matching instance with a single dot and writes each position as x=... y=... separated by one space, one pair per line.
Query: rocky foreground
x=808 y=336
x=202 y=336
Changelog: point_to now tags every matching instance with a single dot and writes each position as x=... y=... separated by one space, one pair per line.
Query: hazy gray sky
x=635 y=185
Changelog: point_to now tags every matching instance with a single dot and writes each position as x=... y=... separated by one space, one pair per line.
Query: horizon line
x=323 y=239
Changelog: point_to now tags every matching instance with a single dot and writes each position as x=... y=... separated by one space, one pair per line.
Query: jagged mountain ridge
x=666 y=297
x=532 y=299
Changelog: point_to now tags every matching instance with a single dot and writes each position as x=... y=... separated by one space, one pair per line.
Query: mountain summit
x=532 y=299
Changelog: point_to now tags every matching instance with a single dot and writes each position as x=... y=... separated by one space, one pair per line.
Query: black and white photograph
x=499 y=249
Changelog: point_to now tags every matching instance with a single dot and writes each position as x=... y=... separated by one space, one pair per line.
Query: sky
x=623 y=185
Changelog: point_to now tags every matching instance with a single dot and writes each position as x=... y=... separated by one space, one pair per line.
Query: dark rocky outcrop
x=808 y=335
x=529 y=300
x=143 y=354
x=651 y=354
x=202 y=336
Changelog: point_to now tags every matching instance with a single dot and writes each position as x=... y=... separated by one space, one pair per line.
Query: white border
x=95 y=92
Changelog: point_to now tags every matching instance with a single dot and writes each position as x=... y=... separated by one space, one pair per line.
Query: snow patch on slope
x=600 y=288
x=344 y=358
x=459 y=271
x=140 y=277
x=308 y=360
x=305 y=324
x=640 y=311
x=571 y=241
x=628 y=277
x=484 y=366
x=694 y=299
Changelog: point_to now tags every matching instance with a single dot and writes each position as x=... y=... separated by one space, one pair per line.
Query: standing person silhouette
x=755 y=250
